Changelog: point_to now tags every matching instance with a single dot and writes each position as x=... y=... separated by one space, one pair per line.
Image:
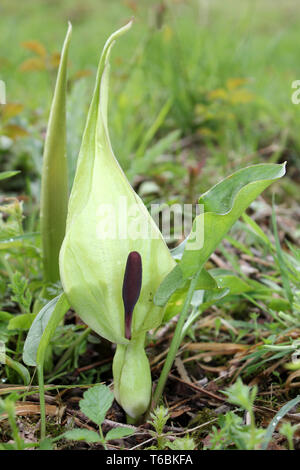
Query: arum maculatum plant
x=120 y=282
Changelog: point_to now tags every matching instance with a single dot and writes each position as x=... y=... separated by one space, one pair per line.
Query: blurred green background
x=198 y=88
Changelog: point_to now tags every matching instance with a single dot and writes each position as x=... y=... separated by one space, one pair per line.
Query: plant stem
x=175 y=341
x=40 y=371
x=290 y=442
x=252 y=427
x=102 y=437
x=12 y=421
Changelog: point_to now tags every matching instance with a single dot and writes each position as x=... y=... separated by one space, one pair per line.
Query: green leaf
x=46 y=444
x=143 y=165
x=82 y=435
x=278 y=304
x=21 y=322
x=175 y=304
x=241 y=394
x=201 y=300
x=54 y=185
x=202 y=303
x=19 y=368
x=229 y=280
x=211 y=297
x=4 y=316
x=154 y=128
x=7 y=446
x=257 y=230
x=8 y=174
x=223 y=205
x=37 y=341
x=177 y=252
x=58 y=313
x=36 y=331
x=183 y=443
x=118 y=433
x=21 y=293
x=96 y=403
x=43 y=327
x=170 y=284
x=175 y=280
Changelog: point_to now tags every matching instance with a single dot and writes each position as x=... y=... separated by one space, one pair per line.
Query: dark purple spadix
x=131 y=288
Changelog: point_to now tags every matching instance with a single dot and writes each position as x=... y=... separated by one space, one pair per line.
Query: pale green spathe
x=92 y=266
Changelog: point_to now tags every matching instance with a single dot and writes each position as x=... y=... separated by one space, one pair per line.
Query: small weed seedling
x=233 y=432
x=159 y=418
x=95 y=404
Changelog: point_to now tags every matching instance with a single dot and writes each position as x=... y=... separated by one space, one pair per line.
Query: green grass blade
x=281 y=413
x=8 y=174
x=281 y=263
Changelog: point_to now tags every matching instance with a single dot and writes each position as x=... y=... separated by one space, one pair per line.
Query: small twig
x=143 y=443
x=91 y=366
x=198 y=388
x=114 y=424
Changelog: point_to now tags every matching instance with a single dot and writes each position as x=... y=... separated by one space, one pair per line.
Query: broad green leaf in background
x=143 y=165
x=21 y=322
x=4 y=316
x=227 y=284
x=154 y=128
x=225 y=278
x=37 y=341
x=257 y=230
x=44 y=326
x=223 y=205
x=175 y=303
x=175 y=280
x=56 y=317
x=209 y=298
